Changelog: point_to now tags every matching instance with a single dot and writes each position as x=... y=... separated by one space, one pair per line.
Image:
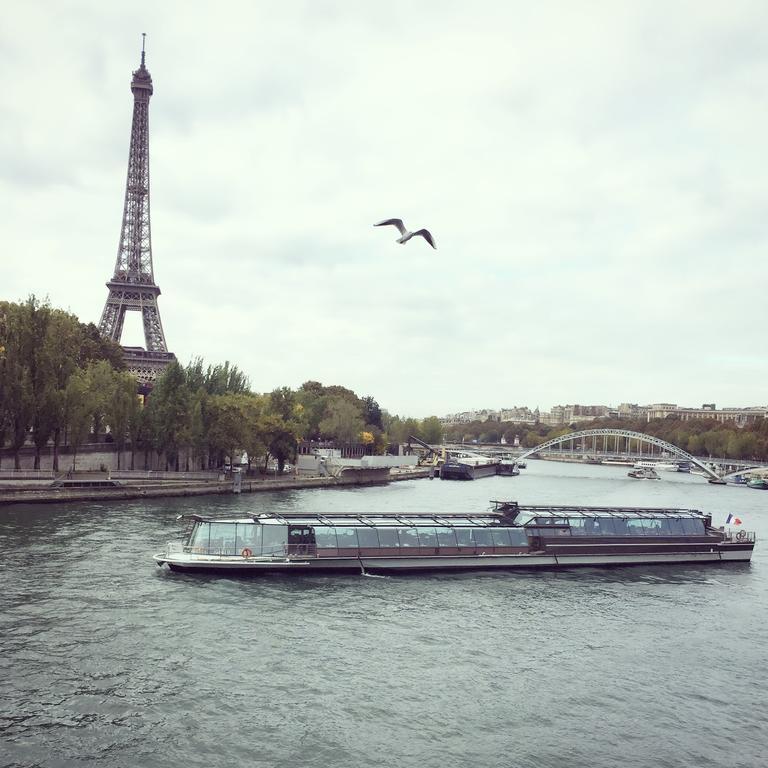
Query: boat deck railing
x=740 y=537
x=281 y=550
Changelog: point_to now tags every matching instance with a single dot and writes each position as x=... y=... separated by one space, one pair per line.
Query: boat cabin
x=561 y=521
x=507 y=529
x=355 y=536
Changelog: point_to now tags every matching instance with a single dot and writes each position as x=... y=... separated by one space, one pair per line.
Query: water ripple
x=105 y=657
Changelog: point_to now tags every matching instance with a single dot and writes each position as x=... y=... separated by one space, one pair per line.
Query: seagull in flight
x=406 y=235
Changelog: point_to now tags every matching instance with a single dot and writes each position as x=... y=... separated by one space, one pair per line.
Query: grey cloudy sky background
x=594 y=174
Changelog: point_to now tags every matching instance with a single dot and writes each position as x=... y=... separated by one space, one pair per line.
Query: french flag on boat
x=732 y=520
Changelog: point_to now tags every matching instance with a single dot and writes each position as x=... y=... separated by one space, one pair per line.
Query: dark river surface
x=107 y=659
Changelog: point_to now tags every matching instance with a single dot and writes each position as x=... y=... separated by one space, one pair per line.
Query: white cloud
x=591 y=173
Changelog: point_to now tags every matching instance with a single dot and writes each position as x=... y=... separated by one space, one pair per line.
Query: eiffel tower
x=133 y=287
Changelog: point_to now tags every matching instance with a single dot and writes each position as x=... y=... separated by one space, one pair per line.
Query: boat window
x=347 y=538
x=482 y=537
x=301 y=534
x=464 y=537
x=408 y=537
x=446 y=537
x=248 y=536
x=603 y=526
x=222 y=537
x=201 y=535
x=274 y=539
x=619 y=526
x=388 y=537
x=500 y=537
x=517 y=537
x=367 y=537
x=693 y=527
x=427 y=537
x=675 y=525
x=325 y=537
x=662 y=526
x=635 y=527
x=652 y=527
x=578 y=525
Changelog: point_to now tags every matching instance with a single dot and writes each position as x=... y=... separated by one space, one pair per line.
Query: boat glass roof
x=506 y=514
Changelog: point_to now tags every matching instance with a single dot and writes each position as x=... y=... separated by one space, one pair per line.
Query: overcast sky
x=594 y=175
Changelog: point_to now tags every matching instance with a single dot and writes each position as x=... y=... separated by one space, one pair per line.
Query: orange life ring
x=246 y=552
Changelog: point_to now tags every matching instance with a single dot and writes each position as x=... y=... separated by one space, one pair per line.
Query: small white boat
x=646 y=473
x=658 y=466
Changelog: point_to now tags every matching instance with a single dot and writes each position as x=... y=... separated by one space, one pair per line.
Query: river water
x=107 y=659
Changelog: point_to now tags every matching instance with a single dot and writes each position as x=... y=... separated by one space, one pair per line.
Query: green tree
x=432 y=430
x=143 y=431
x=311 y=396
x=121 y=410
x=16 y=408
x=255 y=436
x=34 y=345
x=282 y=425
x=102 y=385
x=216 y=379
x=343 y=422
x=227 y=426
x=198 y=426
x=78 y=418
x=62 y=345
x=95 y=347
x=394 y=428
x=168 y=407
x=371 y=412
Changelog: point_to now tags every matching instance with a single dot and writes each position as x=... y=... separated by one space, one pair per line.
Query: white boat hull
x=447 y=563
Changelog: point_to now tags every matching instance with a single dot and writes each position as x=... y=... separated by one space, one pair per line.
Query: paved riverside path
x=58 y=495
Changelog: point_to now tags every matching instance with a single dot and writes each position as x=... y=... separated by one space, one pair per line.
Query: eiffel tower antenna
x=133 y=287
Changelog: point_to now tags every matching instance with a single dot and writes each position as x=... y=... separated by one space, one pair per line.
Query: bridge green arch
x=648 y=439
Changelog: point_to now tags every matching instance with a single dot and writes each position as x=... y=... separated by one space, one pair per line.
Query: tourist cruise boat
x=468 y=466
x=505 y=537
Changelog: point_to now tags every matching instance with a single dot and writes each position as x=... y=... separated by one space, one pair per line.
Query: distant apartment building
x=455 y=418
x=554 y=416
x=522 y=415
x=576 y=413
x=573 y=414
x=560 y=415
x=465 y=417
x=740 y=416
x=631 y=411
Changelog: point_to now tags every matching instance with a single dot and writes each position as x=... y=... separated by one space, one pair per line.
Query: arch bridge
x=621 y=433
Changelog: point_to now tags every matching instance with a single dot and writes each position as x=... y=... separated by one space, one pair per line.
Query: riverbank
x=60 y=495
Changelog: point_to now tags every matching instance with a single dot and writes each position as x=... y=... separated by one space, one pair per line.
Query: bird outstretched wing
x=427 y=235
x=395 y=223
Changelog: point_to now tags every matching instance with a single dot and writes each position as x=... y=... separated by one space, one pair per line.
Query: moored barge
x=507 y=536
x=468 y=467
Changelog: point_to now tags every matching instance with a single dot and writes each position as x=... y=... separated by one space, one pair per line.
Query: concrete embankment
x=51 y=495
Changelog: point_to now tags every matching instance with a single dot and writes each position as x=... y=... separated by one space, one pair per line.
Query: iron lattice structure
x=133 y=287
x=623 y=433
